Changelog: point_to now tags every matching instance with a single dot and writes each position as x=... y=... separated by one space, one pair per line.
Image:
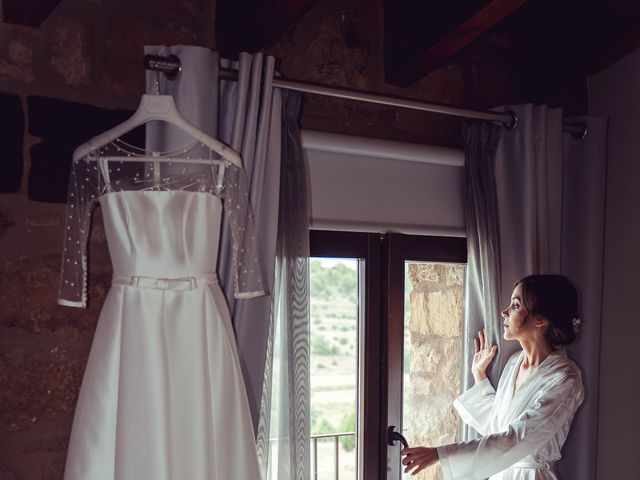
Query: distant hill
x=338 y=282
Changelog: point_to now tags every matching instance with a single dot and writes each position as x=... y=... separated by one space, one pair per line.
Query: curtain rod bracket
x=170 y=66
x=513 y=123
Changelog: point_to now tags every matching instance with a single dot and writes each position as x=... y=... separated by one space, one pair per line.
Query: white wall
x=615 y=92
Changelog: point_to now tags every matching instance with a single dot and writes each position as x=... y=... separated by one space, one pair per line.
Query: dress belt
x=177 y=284
x=539 y=465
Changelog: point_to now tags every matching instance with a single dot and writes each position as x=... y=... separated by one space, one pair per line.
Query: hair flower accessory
x=576 y=324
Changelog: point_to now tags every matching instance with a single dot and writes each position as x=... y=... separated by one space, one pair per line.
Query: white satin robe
x=523 y=430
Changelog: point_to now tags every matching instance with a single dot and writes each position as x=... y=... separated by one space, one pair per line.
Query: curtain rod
x=171 y=66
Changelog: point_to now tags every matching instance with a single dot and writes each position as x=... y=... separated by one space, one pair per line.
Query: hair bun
x=577 y=325
x=554 y=298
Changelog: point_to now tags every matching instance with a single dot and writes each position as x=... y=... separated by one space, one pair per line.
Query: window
x=334 y=341
x=386 y=313
x=432 y=368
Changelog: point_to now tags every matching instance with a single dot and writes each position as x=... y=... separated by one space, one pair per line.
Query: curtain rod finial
x=514 y=120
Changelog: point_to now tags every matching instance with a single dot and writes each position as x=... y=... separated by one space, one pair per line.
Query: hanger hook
x=157 y=82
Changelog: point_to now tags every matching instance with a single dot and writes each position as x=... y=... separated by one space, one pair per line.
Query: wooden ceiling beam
x=420 y=36
x=248 y=25
x=555 y=46
x=30 y=13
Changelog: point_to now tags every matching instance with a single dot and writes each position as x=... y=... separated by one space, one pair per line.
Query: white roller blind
x=363 y=184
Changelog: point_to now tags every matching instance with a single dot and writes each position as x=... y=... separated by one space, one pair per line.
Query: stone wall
x=435 y=329
x=340 y=43
x=82 y=66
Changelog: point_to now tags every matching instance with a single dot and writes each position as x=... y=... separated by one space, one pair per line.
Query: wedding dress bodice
x=162 y=219
x=168 y=234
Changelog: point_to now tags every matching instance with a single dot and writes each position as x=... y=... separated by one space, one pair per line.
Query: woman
x=526 y=421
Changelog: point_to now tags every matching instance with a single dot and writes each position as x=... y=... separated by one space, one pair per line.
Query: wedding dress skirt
x=163 y=396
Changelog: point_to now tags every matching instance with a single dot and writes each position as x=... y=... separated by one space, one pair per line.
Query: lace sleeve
x=81 y=198
x=234 y=192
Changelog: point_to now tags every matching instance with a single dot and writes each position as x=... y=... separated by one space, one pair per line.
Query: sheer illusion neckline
x=134 y=151
x=156 y=192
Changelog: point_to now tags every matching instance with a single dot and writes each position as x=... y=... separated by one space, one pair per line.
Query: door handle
x=393 y=437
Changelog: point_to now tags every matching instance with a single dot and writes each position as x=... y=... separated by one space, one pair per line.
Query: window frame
x=382 y=327
x=401 y=248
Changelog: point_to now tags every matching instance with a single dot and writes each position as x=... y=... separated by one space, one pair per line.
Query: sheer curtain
x=550 y=217
x=283 y=434
x=482 y=281
x=483 y=269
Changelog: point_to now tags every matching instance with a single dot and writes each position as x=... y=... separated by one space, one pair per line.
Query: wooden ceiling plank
x=247 y=25
x=276 y=20
x=441 y=50
x=27 y=12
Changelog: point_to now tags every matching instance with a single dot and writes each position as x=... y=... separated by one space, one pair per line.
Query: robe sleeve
x=81 y=198
x=477 y=459
x=474 y=405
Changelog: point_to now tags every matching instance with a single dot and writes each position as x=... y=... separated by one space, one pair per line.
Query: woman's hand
x=482 y=358
x=418 y=458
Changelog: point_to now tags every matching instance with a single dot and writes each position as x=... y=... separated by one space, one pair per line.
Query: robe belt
x=177 y=284
x=539 y=465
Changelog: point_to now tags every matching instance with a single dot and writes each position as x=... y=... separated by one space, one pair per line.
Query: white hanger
x=163 y=108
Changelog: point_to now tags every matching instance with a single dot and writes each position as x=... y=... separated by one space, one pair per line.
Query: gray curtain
x=250 y=121
x=283 y=434
x=582 y=260
x=482 y=281
x=245 y=114
x=550 y=197
x=194 y=92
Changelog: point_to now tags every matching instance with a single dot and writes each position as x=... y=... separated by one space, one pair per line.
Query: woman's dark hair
x=555 y=298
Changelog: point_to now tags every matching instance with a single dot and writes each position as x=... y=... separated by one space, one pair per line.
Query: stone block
x=46 y=219
x=38 y=452
x=81 y=121
x=28 y=295
x=71 y=51
x=11 y=139
x=41 y=376
x=426 y=276
x=5 y=223
x=338 y=53
x=49 y=172
x=452 y=368
x=192 y=7
x=455 y=275
x=431 y=417
x=16 y=61
x=435 y=359
x=417 y=384
x=425 y=358
x=444 y=313
x=51 y=159
x=419 y=313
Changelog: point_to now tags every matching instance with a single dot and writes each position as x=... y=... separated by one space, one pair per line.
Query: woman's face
x=515 y=325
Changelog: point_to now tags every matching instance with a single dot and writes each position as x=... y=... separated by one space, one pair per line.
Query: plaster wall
x=614 y=93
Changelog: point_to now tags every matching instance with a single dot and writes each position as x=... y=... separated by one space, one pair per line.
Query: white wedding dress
x=163 y=396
